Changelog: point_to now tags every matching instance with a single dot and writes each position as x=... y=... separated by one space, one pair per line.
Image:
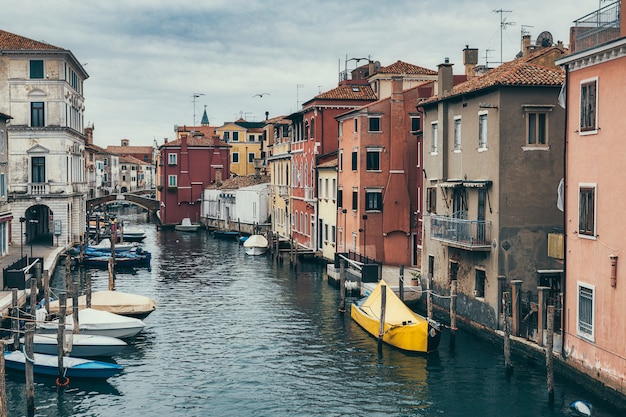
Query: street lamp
x=32 y=234
x=22 y=220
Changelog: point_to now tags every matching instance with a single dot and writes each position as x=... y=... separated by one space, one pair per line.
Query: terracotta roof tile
x=129 y=149
x=519 y=72
x=400 y=67
x=197 y=140
x=11 y=41
x=348 y=92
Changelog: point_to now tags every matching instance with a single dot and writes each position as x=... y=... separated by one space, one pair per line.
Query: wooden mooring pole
x=383 y=307
x=453 y=286
x=15 y=318
x=29 y=354
x=506 y=301
x=75 y=307
x=61 y=380
x=549 y=355
x=401 y=282
x=342 y=285
x=3 y=386
x=429 y=297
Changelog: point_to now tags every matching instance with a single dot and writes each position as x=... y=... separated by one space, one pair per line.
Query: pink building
x=594 y=336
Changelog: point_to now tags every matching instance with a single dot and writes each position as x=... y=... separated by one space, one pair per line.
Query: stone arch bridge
x=137 y=198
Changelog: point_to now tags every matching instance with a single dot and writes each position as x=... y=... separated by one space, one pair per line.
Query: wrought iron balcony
x=473 y=235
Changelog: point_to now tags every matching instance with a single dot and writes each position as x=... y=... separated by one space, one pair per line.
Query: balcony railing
x=283 y=191
x=472 y=235
x=38 y=188
x=309 y=194
x=597 y=27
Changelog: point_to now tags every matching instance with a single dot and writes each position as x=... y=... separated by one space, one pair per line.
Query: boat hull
x=96 y=322
x=74 y=367
x=82 y=345
x=255 y=251
x=403 y=328
x=191 y=228
x=117 y=302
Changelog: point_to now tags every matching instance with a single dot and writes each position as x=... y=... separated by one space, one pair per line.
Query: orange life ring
x=63 y=384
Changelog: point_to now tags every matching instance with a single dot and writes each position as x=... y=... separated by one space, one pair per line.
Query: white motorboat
x=78 y=345
x=105 y=246
x=255 y=245
x=118 y=302
x=132 y=234
x=97 y=322
x=187 y=226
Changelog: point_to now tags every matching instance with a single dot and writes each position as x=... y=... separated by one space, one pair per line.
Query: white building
x=41 y=87
x=244 y=208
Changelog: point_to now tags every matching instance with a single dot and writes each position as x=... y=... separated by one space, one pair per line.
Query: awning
x=466 y=184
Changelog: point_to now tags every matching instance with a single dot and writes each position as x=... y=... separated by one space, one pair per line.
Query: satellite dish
x=544 y=39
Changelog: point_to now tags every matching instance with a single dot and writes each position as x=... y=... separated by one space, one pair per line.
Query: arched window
x=312 y=128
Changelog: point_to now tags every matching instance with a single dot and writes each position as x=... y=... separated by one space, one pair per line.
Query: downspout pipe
x=564 y=322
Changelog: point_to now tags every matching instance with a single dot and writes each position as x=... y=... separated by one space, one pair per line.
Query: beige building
x=41 y=87
x=327 y=205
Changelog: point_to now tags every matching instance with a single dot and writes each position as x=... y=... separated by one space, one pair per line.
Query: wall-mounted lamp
x=613 y=259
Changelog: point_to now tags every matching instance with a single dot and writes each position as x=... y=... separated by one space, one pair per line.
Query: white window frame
x=595 y=130
x=588 y=334
x=172 y=181
x=434 y=132
x=595 y=210
x=457 y=133
x=172 y=159
x=483 y=132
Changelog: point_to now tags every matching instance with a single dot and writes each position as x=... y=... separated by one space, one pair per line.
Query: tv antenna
x=195 y=96
x=487 y=58
x=503 y=25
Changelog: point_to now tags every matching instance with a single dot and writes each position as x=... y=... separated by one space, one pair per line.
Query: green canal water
x=234 y=335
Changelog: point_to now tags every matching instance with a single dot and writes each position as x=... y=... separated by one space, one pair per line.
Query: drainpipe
x=563 y=278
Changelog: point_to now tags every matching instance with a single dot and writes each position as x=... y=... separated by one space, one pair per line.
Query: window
x=3 y=142
x=586 y=211
x=334 y=189
x=326 y=232
x=250 y=157
x=479 y=285
x=373 y=159
x=235 y=136
x=340 y=129
x=250 y=138
x=354 y=160
x=374 y=200
x=340 y=160
x=588 y=106
x=431 y=200
x=36 y=69
x=312 y=128
x=340 y=197
x=171 y=159
x=356 y=125
x=38 y=169
x=3 y=185
x=226 y=136
x=482 y=131
x=537 y=128
x=355 y=199
x=333 y=235
x=123 y=168
x=172 y=181
x=326 y=193
x=415 y=123
x=585 y=311
x=235 y=157
x=434 y=147
x=37 y=114
x=374 y=124
x=457 y=133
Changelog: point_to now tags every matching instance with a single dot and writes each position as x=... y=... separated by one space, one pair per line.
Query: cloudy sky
x=147 y=59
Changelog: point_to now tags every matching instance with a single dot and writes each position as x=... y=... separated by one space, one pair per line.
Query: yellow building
x=245 y=139
x=276 y=150
x=327 y=206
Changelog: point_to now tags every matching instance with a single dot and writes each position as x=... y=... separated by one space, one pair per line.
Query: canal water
x=233 y=335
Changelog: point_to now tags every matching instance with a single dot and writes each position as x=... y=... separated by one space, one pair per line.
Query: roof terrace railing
x=598 y=27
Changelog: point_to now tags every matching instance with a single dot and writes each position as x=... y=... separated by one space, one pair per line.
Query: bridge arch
x=150 y=204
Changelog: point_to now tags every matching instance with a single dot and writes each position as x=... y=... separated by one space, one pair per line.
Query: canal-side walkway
x=50 y=255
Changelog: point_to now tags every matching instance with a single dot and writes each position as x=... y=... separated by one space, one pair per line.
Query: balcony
x=283 y=191
x=39 y=188
x=472 y=235
x=309 y=194
x=598 y=27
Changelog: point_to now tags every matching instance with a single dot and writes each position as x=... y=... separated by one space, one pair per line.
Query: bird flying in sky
x=261 y=95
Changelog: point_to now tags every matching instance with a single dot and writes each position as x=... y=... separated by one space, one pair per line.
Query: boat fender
x=65 y=383
x=432 y=332
x=580 y=408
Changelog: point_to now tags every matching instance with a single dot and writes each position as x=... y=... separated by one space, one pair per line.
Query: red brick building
x=186 y=167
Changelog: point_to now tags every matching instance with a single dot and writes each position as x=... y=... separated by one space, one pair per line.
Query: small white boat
x=118 y=302
x=105 y=246
x=132 y=234
x=78 y=345
x=97 y=322
x=255 y=245
x=187 y=226
x=74 y=367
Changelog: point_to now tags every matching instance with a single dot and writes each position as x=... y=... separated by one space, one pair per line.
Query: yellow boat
x=403 y=328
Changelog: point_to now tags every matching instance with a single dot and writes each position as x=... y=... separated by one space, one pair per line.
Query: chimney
x=444 y=78
x=89 y=135
x=525 y=45
x=267 y=115
x=470 y=60
x=125 y=142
